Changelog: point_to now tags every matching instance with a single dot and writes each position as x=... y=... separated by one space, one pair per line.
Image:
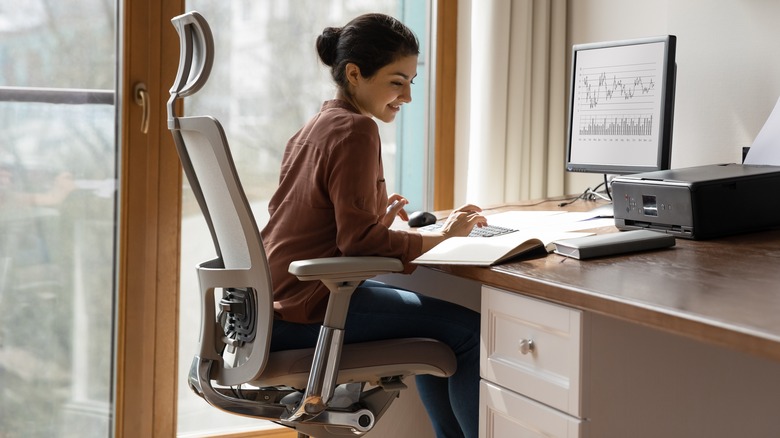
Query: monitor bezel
x=664 y=149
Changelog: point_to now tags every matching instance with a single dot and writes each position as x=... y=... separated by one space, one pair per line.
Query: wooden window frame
x=445 y=98
x=149 y=226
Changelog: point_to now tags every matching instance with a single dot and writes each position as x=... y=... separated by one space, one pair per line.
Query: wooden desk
x=681 y=342
x=725 y=291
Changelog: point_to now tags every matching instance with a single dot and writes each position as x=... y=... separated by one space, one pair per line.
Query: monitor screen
x=621 y=106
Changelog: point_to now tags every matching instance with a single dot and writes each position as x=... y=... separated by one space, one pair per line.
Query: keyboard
x=486 y=231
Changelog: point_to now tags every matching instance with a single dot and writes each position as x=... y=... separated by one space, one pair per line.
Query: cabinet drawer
x=549 y=371
x=504 y=414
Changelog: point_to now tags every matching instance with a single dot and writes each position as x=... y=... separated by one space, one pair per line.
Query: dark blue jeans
x=378 y=312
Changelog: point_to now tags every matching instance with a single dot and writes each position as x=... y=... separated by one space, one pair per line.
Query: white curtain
x=511 y=100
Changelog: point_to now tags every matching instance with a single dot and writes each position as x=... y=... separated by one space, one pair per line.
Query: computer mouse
x=421 y=219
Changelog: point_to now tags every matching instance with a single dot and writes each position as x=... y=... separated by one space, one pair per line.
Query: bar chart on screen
x=617 y=124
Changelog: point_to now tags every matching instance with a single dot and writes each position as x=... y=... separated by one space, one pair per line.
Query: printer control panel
x=665 y=208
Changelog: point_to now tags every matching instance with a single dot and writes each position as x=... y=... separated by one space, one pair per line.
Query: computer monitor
x=621 y=106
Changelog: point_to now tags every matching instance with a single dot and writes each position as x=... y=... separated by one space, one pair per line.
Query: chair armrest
x=342 y=275
x=344 y=268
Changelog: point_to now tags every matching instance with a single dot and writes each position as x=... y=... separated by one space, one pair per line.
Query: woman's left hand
x=395 y=207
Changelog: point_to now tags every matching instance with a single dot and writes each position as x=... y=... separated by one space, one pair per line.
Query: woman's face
x=382 y=95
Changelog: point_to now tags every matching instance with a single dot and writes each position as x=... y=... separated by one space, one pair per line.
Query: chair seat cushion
x=363 y=362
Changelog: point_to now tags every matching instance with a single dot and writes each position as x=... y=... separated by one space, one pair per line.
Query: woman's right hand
x=462 y=220
x=459 y=223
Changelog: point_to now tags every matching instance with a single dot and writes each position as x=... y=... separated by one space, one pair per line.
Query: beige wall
x=728 y=67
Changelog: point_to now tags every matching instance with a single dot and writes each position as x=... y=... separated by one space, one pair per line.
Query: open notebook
x=535 y=233
x=480 y=251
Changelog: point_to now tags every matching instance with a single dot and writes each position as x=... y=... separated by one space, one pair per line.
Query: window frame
x=149 y=215
x=445 y=67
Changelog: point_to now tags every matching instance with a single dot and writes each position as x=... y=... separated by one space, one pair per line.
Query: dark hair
x=370 y=41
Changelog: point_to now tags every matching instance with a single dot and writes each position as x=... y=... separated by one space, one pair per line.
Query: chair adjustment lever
x=393 y=384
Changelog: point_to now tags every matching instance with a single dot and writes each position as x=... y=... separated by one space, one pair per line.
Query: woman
x=332 y=201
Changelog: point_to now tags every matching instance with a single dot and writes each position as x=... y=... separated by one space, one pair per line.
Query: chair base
x=354 y=417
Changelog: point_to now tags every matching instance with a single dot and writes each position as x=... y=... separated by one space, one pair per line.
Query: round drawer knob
x=527 y=346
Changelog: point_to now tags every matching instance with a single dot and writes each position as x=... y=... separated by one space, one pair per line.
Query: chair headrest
x=196 y=55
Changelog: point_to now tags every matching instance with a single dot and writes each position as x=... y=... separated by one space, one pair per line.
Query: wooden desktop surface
x=724 y=291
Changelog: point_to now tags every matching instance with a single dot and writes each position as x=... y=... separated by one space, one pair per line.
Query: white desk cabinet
x=531 y=362
x=588 y=375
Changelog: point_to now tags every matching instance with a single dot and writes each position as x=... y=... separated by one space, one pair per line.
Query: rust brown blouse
x=330 y=200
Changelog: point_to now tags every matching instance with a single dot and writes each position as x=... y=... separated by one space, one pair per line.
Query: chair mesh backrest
x=231 y=219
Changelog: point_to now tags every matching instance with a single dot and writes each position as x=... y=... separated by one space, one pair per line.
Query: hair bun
x=327 y=44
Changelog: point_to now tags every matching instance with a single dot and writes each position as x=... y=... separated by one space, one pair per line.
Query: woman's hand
x=461 y=221
x=395 y=207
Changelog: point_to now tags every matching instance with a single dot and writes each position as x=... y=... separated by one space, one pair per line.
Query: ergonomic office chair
x=330 y=390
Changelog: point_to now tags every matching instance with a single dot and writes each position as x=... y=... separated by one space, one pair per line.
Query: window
x=57 y=217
